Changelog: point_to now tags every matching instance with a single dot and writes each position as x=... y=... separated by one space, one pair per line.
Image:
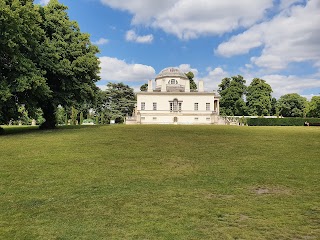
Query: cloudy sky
x=276 y=40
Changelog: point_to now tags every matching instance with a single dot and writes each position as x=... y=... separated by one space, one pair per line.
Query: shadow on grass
x=12 y=130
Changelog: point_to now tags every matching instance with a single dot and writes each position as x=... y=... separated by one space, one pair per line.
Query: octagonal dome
x=171 y=72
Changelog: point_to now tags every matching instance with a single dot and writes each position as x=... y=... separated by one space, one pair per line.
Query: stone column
x=200 y=86
x=187 y=86
x=150 y=88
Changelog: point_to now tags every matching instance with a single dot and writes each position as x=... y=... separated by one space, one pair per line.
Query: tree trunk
x=49 y=114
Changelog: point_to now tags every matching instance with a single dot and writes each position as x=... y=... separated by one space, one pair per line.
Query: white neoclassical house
x=171 y=101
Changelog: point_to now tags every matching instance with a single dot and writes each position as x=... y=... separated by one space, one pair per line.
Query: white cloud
x=44 y=2
x=291 y=36
x=188 y=19
x=287 y=3
x=101 y=41
x=187 y=68
x=282 y=84
x=131 y=36
x=213 y=78
x=113 y=69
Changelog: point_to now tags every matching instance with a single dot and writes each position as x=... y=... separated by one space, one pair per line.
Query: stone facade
x=172 y=102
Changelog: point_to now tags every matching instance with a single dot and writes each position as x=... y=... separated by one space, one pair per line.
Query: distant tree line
x=237 y=99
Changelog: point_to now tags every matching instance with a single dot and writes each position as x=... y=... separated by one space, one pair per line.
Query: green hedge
x=281 y=121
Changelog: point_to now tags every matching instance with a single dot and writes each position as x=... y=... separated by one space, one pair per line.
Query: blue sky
x=276 y=40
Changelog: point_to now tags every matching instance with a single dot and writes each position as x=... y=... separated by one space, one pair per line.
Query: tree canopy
x=259 y=98
x=193 y=85
x=291 y=105
x=116 y=102
x=45 y=60
x=232 y=91
x=144 y=87
x=314 y=107
x=22 y=79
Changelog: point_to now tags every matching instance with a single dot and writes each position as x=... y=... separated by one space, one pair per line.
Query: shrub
x=281 y=121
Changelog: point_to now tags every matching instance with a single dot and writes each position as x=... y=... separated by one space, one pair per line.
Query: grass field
x=161 y=182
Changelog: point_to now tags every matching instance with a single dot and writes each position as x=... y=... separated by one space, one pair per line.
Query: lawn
x=160 y=182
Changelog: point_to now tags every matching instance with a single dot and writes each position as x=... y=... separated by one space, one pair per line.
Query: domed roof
x=171 y=72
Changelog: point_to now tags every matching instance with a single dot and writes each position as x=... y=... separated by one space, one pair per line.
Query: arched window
x=173 y=81
x=175 y=105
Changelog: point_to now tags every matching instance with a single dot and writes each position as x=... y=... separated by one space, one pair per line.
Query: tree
x=60 y=115
x=193 y=85
x=45 y=61
x=116 y=102
x=74 y=116
x=144 y=87
x=232 y=91
x=22 y=80
x=69 y=60
x=291 y=105
x=259 y=98
x=81 y=118
x=314 y=107
x=274 y=110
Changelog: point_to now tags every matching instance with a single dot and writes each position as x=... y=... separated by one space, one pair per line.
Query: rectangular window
x=171 y=106
x=208 y=106
x=180 y=105
x=154 y=118
x=196 y=106
x=143 y=105
x=154 y=106
x=208 y=119
x=196 y=119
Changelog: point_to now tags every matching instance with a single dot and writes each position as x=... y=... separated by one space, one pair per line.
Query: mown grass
x=161 y=182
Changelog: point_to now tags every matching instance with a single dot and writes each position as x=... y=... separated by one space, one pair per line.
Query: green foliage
x=291 y=105
x=81 y=118
x=288 y=121
x=258 y=98
x=314 y=107
x=69 y=60
x=22 y=80
x=74 y=116
x=60 y=115
x=232 y=91
x=144 y=87
x=274 y=110
x=193 y=85
x=45 y=60
x=116 y=102
x=66 y=120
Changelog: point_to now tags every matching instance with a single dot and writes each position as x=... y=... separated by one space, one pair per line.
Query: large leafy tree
x=314 y=107
x=259 y=98
x=21 y=76
x=69 y=60
x=44 y=60
x=116 y=102
x=232 y=92
x=193 y=85
x=291 y=105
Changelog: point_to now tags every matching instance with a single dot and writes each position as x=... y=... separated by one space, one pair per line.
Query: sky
x=275 y=40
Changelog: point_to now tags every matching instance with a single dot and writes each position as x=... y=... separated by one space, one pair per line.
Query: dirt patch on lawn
x=274 y=190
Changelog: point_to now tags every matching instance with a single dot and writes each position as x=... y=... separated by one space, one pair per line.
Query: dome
x=171 y=72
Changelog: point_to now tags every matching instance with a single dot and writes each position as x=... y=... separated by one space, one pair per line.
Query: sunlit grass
x=161 y=182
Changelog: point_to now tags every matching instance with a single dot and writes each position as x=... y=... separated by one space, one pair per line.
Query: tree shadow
x=14 y=130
